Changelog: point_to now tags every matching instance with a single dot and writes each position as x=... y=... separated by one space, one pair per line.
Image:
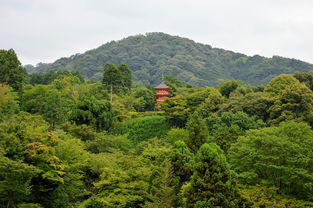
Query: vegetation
x=67 y=142
x=151 y=55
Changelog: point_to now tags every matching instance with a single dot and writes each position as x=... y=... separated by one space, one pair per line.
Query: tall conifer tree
x=198 y=132
x=212 y=184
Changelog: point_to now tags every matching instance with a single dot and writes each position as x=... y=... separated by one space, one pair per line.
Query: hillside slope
x=198 y=64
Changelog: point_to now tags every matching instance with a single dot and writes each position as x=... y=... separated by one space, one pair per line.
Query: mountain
x=151 y=55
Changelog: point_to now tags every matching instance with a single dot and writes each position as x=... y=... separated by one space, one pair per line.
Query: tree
x=228 y=86
x=47 y=78
x=198 y=132
x=182 y=162
x=11 y=71
x=8 y=101
x=48 y=102
x=295 y=102
x=254 y=104
x=280 y=155
x=182 y=166
x=75 y=158
x=112 y=77
x=212 y=183
x=176 y=111
x=305 y=78
x=226 y=128
x=144 y=128
x=122 y=182
x=92 y=111
x=126 y=76
x=15 y=181
x=143 y=99
x=117 y=79
x=266 y=196
x=279 y=83
x=161 y=194
x=177 y=134
x=211 y=104
x=25 y=139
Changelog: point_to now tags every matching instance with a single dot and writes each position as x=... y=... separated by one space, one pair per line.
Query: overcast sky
x=45 y=30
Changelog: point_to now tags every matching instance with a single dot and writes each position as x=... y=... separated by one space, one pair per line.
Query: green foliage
x=198 y=132
x=71 y=152
x=254 y=104
x=143 y=99
x=212 y=184
x=15 y=181
x=204 y=100
x=280 y=83
x=199 y=96
x=11 y=71
x=177 y=134
x=144 y=128
x=268 y=197
x=116 y=79
x=161 y=194
x=305 y=78
x=182 y=163
x=226 y=128
x=77 y=161
x=122 y=182
x=126 y=79
x=176 y=111
x=228 y=86
x=5 y=95
x=83 y=132
x=92 y=111
x=242 y=120
x=8 y=101
x=153 y=151
x=25 y=138
x=48 y=102
x=109 y=143
x=47 y=78
x=29 y=205
x=175 y=83
x=211 y=104
x=194 y=63
x=112 y=77
x=281 y=155
x=295 y=102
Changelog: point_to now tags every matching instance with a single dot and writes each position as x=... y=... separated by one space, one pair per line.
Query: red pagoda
x=162 y=92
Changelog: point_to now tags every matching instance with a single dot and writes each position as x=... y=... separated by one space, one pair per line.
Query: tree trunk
x=10 y=199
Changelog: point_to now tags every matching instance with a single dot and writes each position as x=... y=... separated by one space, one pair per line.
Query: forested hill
x=198 y=64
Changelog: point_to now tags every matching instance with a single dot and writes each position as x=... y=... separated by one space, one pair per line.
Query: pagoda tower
x=162 y=92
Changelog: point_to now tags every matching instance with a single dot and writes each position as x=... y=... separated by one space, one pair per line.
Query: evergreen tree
x=182 y=165
x=126 y=76
x=211 y=184
x=111 y=78
x=161 y=194
x=198 y=132
x=117 y=79
x=181 y=161
x=11 y=71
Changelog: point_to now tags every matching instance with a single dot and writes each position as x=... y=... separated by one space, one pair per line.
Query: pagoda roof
x=162 y=86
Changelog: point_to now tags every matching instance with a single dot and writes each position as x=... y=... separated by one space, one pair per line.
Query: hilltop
x=196 y=63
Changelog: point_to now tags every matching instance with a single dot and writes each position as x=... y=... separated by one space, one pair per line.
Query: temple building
x=162 y=92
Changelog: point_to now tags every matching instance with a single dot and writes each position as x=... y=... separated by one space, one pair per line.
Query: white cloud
x=43 y=31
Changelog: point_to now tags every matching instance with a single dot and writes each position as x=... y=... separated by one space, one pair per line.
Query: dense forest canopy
x=66 y=142
x=151 y=55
